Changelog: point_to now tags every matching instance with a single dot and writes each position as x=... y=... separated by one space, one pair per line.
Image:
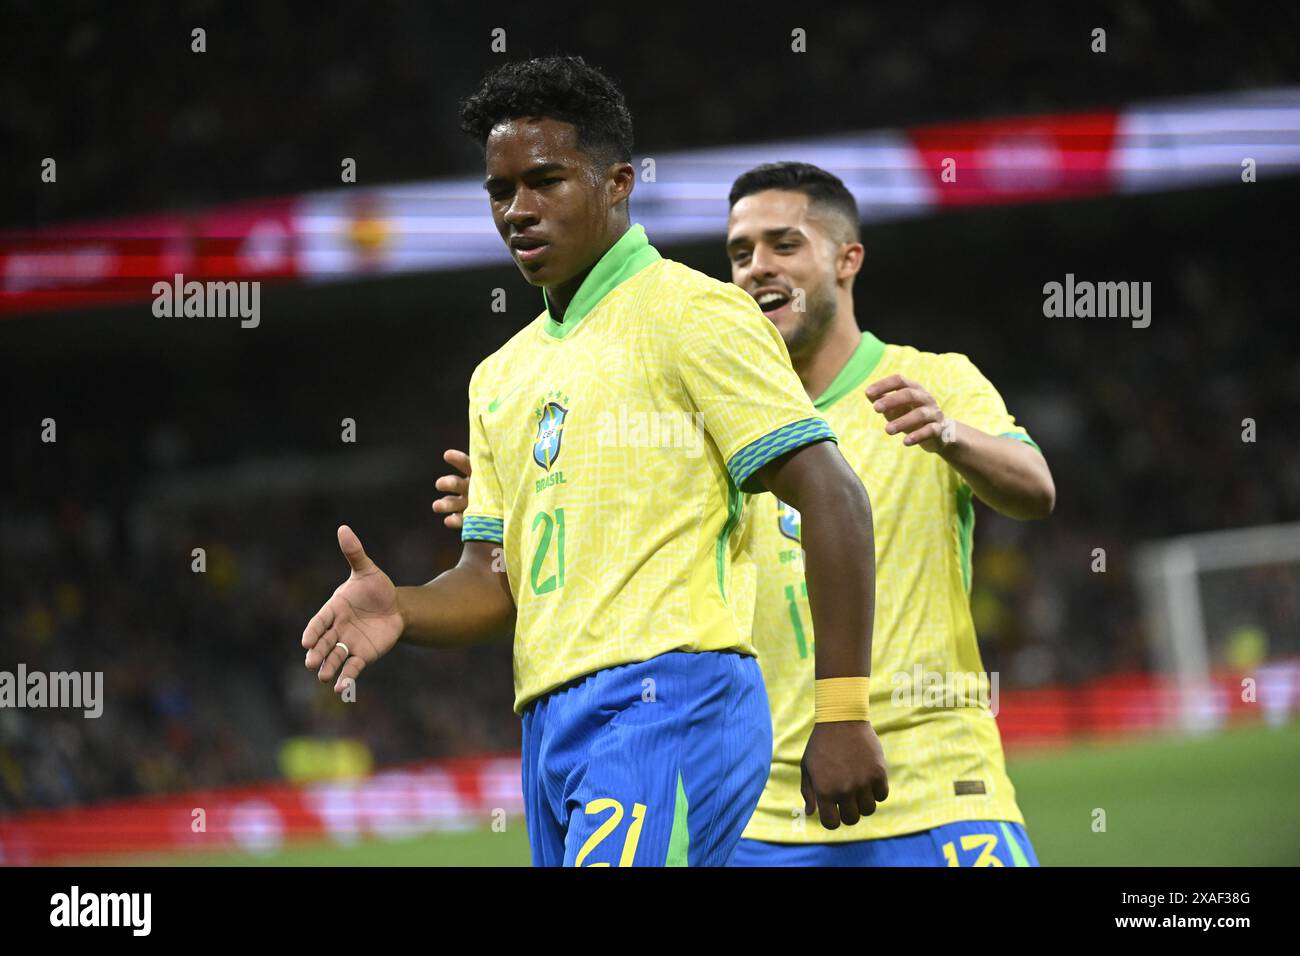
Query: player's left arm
x=972 y=431
x=735 y=370
x=843 y=769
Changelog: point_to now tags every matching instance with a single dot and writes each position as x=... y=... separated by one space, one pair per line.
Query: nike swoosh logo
x=496 y=402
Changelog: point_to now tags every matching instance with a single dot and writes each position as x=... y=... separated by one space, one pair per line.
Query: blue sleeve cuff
x=1021 y=436
x=479 y=528
x=758 y=453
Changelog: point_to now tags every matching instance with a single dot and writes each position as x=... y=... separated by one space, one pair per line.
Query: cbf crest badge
x=550 y=430
x=787 y=519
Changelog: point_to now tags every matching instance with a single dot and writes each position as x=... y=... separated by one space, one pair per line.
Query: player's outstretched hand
x=457 y=488
x=844 y=774
x=362 y=616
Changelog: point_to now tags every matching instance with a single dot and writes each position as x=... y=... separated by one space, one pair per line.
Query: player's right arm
x=470 y=603
x=367 y=615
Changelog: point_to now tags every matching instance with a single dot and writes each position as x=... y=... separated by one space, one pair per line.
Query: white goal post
x=1181 y=622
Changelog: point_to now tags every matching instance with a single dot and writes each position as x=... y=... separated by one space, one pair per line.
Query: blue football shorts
x=658 y=763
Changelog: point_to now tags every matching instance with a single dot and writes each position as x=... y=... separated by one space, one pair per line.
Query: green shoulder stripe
x=1021 y=436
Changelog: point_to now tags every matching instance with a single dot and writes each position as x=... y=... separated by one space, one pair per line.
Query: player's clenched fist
x=358 y=625
x=844 y=774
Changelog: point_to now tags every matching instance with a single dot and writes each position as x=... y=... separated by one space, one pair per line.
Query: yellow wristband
x=841 y=698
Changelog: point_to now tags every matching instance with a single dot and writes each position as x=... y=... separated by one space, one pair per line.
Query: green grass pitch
x=1225 y=800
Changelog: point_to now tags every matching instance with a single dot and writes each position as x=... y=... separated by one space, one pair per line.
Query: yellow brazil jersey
x=613 y=454
x=928 y=696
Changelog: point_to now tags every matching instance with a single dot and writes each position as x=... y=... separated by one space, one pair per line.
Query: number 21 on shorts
x=609 y=825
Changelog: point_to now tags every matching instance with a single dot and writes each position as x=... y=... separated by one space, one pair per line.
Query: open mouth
x=772 y=301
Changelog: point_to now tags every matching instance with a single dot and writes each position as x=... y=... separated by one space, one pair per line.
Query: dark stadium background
x=181 y=433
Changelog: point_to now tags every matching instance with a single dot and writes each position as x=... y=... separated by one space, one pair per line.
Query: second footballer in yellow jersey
x=931 y=699
x=927 y=433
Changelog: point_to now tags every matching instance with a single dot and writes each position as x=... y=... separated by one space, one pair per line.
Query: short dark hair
x=560 y=87
x=823 y=188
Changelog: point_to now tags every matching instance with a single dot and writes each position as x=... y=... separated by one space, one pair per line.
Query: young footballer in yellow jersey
x=926 y=432
x=646 y=729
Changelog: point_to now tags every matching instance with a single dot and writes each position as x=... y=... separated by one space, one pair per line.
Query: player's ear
x=850 y=259
x=619 y=180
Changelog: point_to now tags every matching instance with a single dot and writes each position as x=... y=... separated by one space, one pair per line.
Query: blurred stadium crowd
x=1142 y=428
x=283 y=93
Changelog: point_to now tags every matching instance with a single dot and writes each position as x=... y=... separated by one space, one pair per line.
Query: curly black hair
x=821 y=187
x=560 y=87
